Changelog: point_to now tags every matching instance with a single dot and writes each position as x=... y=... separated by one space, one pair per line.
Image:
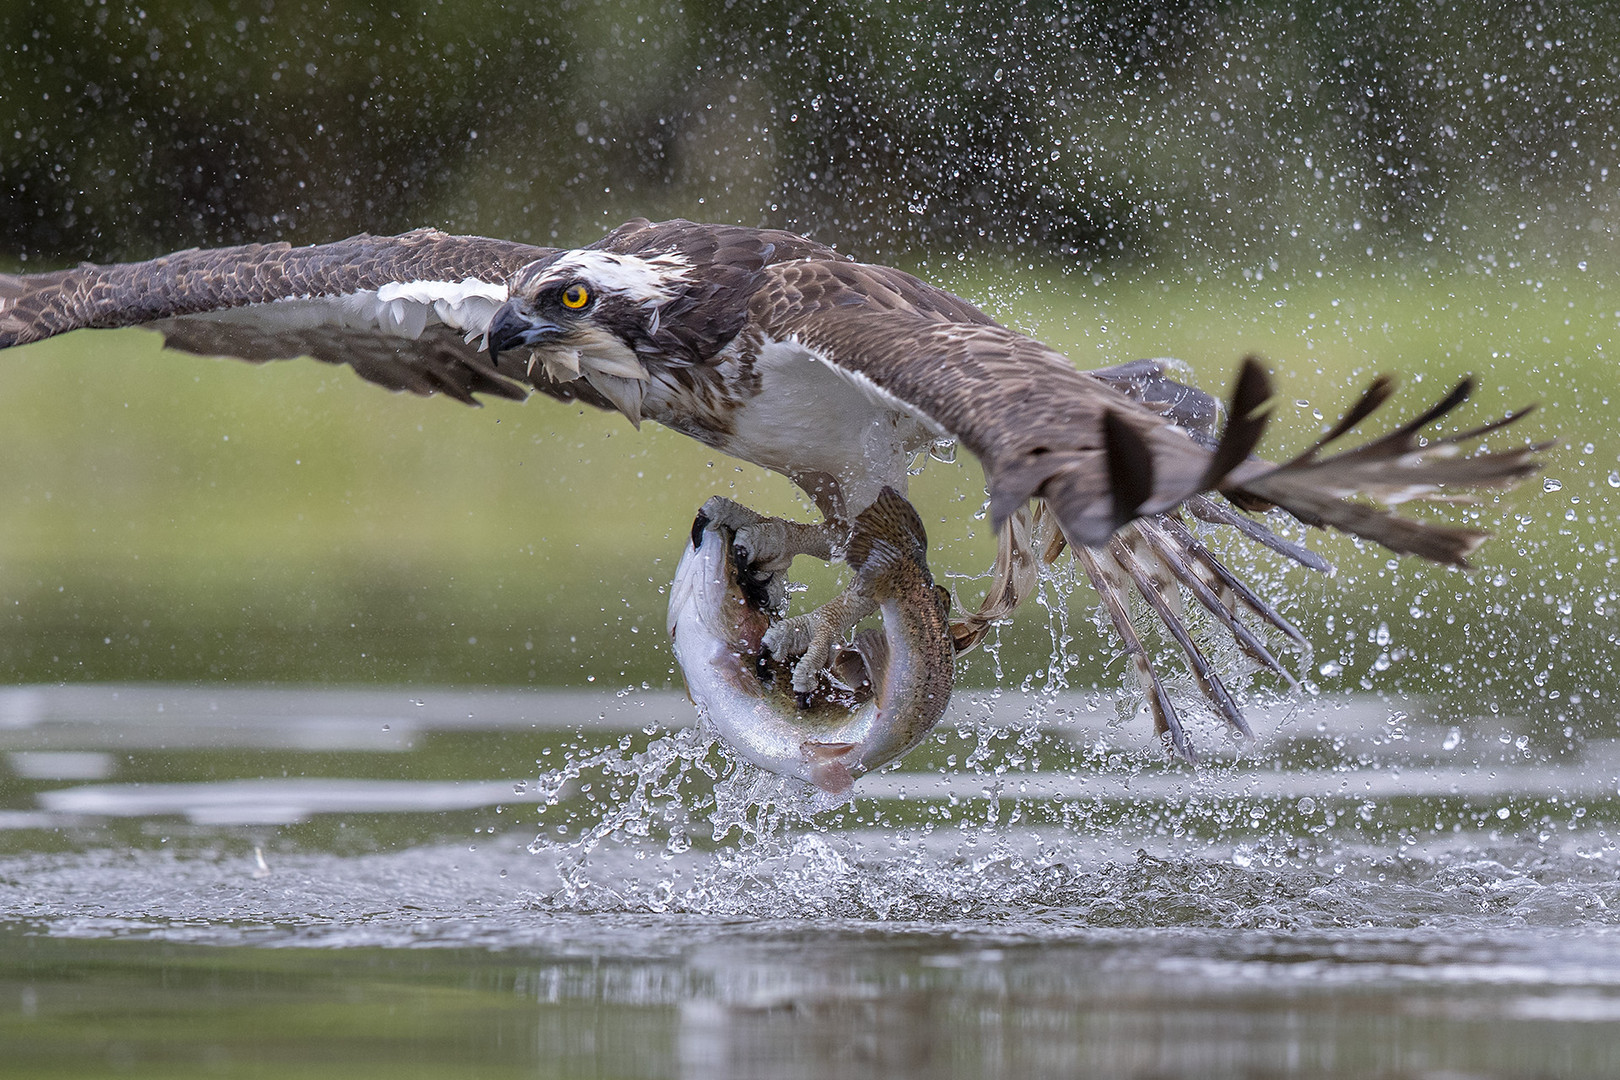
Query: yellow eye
x=575 y=297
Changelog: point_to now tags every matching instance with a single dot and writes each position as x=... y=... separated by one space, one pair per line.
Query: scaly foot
x=813 y=635
x=769 y=544
x=765 y=546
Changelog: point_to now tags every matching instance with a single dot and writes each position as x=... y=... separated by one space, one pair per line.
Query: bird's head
x=582 y=311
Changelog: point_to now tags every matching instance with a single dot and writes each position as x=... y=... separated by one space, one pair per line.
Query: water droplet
x=1614 y=479
x=1551 y=484
x=1307 y=805
x=1453 y=739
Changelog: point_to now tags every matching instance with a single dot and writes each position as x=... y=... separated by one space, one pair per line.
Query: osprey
x=775 y=349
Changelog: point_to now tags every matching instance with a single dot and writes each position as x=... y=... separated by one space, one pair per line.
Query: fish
x=880 y=696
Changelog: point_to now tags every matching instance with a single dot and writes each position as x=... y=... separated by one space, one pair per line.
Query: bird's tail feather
x=1393 y=468
x=1212 y=512
x=1139 y=471
x=1161 y=558
x=1158 y=556
x=1110 y=590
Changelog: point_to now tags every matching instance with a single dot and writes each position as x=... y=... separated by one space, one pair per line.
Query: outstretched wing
x=406 y=312
x=1099 y=457
x=1104 y=449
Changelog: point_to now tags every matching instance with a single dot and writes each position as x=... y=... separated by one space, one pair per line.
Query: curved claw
x=771 y=543
x=763 y=548
x=813 y=635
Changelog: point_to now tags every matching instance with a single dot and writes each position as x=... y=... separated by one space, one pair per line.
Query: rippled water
x=563 y=883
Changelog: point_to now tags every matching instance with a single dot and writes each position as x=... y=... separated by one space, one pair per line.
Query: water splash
x=674 y=823
x=627 y=795
x=621 y=804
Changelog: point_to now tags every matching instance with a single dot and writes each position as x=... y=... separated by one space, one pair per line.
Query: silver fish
x=882 y=694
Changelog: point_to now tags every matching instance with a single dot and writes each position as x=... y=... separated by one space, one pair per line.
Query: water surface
x=285 y=882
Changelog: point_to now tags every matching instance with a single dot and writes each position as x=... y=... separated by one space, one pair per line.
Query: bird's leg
x=812 y=636
x=1027 y=540
x=769 y=544
x=766 y=546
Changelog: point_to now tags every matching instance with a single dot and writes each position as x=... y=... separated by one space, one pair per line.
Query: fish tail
x=829 y=765
x=888 y=546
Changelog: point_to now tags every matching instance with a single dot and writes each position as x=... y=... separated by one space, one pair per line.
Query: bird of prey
x=775 y=349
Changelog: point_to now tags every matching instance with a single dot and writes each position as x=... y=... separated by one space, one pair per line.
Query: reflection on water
x=569 y=884
x=788 y=1000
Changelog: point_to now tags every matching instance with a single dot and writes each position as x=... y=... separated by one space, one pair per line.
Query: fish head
x=723 y=599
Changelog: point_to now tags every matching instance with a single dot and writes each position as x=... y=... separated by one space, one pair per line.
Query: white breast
x=809 y=417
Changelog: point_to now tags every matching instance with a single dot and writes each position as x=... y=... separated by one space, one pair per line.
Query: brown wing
x=1040 y=427
x=1099 y=456
x=1107 y=447
x=272 y=301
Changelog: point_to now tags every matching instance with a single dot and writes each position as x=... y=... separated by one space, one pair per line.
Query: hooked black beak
x=511 y=328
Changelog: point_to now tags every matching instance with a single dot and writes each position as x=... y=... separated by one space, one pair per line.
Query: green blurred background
x=1420 y=188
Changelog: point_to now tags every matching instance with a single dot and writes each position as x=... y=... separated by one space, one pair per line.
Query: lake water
x=217 y=881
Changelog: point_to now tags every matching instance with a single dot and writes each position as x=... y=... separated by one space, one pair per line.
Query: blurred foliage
x=1234 y=132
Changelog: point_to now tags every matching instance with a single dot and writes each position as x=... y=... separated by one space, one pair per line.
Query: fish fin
x=827 y=769
x=849 y=667
x=888 y=536
x=873 y=648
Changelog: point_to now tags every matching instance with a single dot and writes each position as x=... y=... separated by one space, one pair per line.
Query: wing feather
x=1103 y=449
x=403 y=311
x=1043 y=429
x=1040 y=427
